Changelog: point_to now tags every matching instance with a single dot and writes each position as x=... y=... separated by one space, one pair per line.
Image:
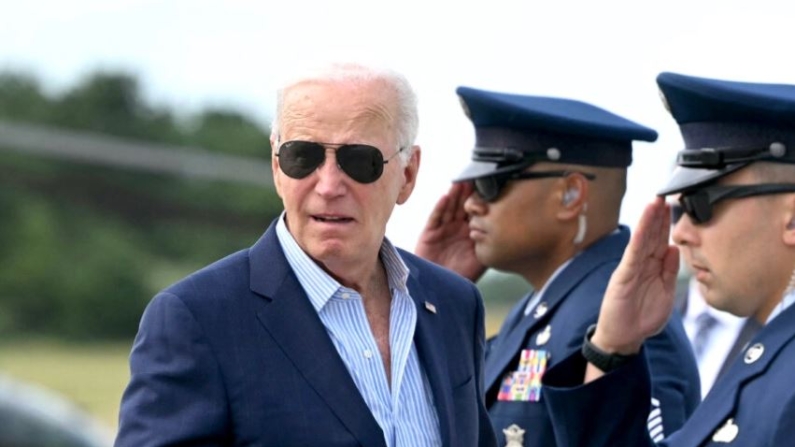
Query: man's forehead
x=340 y=102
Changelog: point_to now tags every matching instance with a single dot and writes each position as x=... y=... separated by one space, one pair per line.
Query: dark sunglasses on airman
x=361 y=162
x=490 y=187
x=698 y=204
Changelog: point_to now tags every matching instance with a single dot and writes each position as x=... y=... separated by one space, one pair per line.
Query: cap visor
x=687 y=178
x=476 y=169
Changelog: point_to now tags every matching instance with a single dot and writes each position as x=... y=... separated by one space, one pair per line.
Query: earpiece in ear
x=581 y=229
x=570 y=195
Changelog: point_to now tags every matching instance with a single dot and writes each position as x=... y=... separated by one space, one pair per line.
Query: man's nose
x=330 y=178
x=684 y=231
x=475 y=205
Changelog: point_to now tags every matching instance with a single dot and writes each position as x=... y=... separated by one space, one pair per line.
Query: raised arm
x=637 y=304
x=445 y=238
x=640 y=296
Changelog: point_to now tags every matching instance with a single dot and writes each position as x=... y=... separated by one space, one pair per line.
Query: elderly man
x=736 y=183
x=542 y=199
x=322 y=333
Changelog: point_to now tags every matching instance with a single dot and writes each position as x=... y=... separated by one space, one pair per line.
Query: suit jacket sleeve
x=676 y=387
x=785 y=429
x=608 y=412
x=175 y=395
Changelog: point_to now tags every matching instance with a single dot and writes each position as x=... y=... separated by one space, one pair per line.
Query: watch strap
x=604 y=361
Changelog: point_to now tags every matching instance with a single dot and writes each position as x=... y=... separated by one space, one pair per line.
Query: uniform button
x=368 y=353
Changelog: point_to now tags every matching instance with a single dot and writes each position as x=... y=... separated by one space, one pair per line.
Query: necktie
x=704 y=325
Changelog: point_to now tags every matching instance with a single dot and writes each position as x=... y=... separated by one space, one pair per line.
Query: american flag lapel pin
x=431 y=308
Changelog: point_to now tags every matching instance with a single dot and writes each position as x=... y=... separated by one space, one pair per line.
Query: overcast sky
x=190 y=54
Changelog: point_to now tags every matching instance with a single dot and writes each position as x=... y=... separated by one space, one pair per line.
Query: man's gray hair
x=407 y=124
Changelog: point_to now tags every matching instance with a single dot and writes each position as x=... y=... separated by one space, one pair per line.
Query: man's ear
x=573 y=195
x=409 y=173
x=789 y=233
x=275 y=170
x=789 y=218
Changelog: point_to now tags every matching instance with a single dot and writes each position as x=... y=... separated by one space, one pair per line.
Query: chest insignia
x=541 y=310
x=754 y=353
x=544 y=336
x=727 y=433
x=514 y=436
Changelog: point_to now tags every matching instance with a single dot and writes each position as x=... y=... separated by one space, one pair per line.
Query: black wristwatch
x=600 y=359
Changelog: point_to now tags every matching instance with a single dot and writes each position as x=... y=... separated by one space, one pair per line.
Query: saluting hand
x=640 y=296
x=445 y=238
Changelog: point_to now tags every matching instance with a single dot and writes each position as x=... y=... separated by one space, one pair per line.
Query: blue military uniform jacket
x=236 y=355
x=752 y=405
x=555 y=328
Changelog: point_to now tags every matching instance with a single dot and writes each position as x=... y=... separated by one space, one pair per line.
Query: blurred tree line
x=84 y=247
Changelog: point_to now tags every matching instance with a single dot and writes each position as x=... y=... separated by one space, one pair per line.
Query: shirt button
x=367 y=353
x=346 y=295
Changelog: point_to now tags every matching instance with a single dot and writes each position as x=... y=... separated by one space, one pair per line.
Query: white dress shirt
x=719 y=340
x=404 y=408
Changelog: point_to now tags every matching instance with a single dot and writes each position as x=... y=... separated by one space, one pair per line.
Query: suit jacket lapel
x=288 y=316
x=431 y=354
x=607 y=249
x=507 y=344
x=747 y=332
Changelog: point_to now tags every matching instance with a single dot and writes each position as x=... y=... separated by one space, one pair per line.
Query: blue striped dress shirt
x=405 y=411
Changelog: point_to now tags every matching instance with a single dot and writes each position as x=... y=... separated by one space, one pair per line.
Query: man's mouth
x=331 y=219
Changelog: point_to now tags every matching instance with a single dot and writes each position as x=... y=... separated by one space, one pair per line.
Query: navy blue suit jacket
x=236 y=355
x=753 y=404
x=572 y=303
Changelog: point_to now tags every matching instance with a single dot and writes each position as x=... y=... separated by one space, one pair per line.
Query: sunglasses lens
x=298 y=159
x=361 y=162
x=488 y=188
x=697 y=206
x=676 y=213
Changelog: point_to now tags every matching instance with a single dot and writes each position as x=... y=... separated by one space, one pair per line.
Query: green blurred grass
x=92 y=376
x=495 y=314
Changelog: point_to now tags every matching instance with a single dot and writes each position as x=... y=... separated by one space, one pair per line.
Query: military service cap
x=514 y=131
x=726 y=125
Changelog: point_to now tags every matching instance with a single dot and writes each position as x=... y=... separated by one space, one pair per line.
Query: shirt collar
x=555 y=275
x=786 y=301
x=319 y=285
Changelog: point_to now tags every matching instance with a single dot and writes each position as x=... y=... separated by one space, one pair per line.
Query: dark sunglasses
x=677 y=211
x=361 y=162
x=698 y=204
x=490 y=187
